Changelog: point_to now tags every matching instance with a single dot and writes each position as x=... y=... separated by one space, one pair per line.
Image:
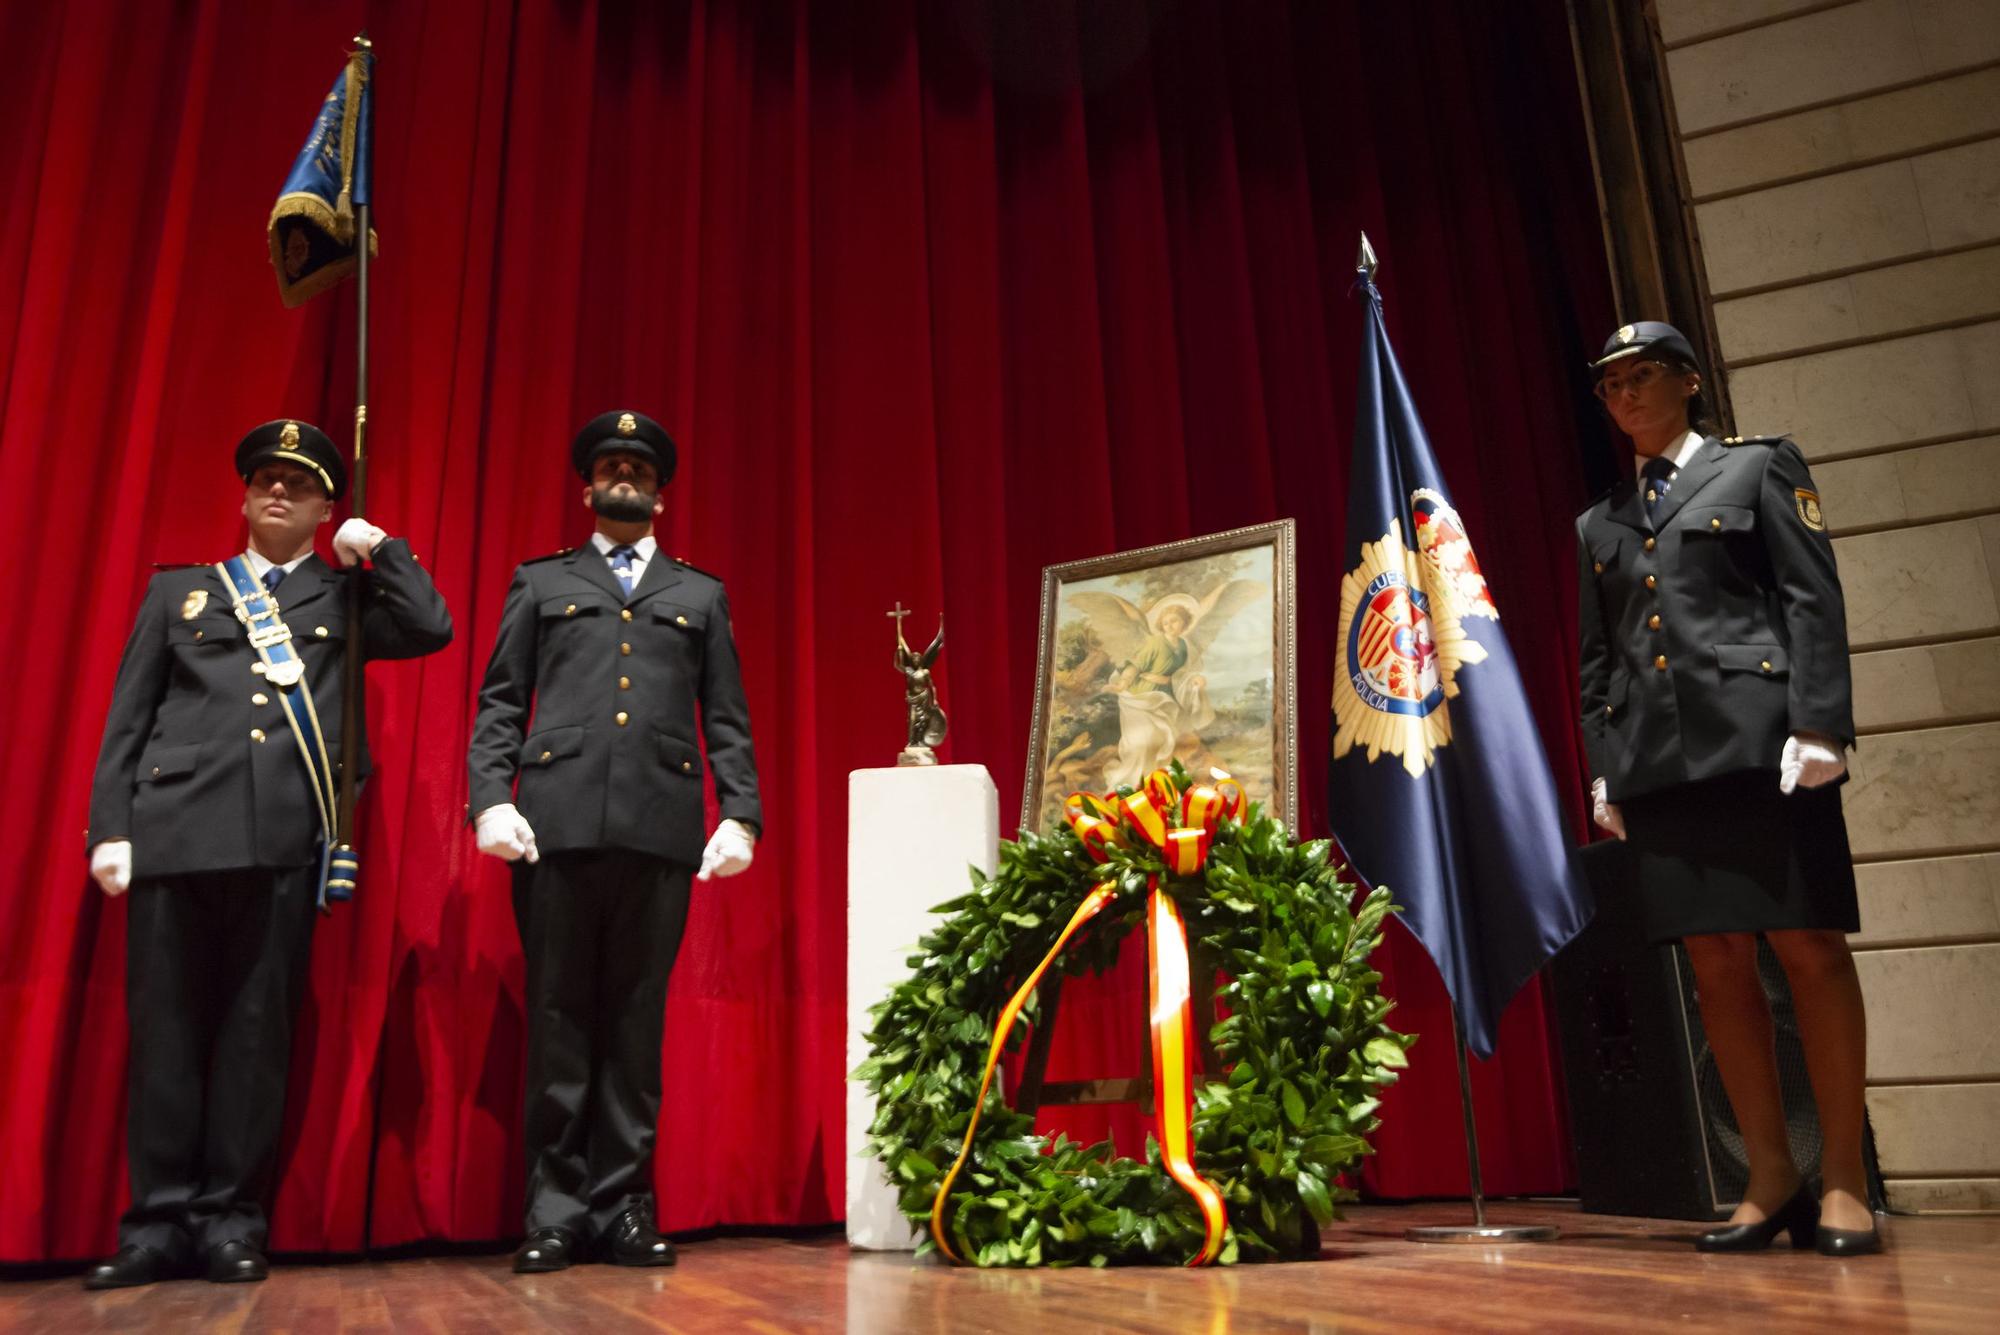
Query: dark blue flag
x=312 y=227
x=1438 y=787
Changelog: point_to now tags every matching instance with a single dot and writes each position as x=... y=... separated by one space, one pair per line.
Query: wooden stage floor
x=1606 y=1273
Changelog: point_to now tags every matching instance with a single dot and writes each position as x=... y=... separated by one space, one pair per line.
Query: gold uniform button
x=1652 y=495
x=547 y=756
x=1653 y=621
x=1660 y=663
x=680 y=621
x=198 y=634
x=625 y=613
x=1598 y=567
x=624 y=648
x=256 y=734
x=1715 y=523
x=624 y=683
x=1766 y=665
x=1607 y=711
x=320 y=631
x=686 y=766
x=156 y=772
x=570 y=611
x=623 y=718
x=260 y=699
x=1651 y=543
x=1652 y=583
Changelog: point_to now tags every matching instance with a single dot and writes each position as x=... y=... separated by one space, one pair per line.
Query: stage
x=1941 y=1273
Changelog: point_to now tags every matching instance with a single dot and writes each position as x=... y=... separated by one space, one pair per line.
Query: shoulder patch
x=534 y=560
x=1806 y=502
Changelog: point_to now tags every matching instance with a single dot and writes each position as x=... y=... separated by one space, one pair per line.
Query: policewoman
x=220 y=754
x=1717 y=715
x=613 y=665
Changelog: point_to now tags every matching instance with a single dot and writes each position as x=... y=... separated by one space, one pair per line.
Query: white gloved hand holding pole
x=1604 y=811
x=111 y=866
x=504 y=833
x=729 y=851
x=1809 y=760
x=357 y=540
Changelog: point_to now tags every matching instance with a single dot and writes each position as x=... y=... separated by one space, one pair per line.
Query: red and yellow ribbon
x=1101 y=822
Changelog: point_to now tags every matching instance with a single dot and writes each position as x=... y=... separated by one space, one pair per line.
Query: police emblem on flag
x=1450 y=568
x=1401 y=644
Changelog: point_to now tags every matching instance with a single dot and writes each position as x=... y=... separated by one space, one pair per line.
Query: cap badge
x=1626 y=333
x=627 y=424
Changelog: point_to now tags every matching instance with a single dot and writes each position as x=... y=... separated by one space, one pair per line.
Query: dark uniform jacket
x=199 y=768
x=1715 y=629
x=610 y=757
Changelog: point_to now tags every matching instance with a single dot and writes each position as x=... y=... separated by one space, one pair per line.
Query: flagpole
x=353 y=683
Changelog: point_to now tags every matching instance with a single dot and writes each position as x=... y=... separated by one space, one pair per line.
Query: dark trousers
x=600 y=930
x=215 y=965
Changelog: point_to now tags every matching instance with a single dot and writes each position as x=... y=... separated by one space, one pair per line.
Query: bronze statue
x=926 y=717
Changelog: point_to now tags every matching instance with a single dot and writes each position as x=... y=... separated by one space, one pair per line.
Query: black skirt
x=1733 y=854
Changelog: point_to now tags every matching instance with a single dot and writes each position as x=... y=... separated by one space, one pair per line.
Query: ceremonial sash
x=285 y=670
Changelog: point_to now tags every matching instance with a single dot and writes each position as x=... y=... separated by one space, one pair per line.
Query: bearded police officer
x=209 y=804
x=1716 y=709
x=617 y=651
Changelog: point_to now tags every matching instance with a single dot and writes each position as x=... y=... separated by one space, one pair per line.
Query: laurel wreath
x=1305 y=1047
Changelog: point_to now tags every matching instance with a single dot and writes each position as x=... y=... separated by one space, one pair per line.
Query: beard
x=624 y=509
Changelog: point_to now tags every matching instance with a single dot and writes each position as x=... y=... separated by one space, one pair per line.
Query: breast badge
x=1401 y=644
x=192 y=604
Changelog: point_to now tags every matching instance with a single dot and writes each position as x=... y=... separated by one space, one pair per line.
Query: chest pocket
x=1606 y=554
x=573 y=607
x=1720 y=520
x=206 y=631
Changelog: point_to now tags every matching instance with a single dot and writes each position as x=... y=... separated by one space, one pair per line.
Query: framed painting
x=1183 y=651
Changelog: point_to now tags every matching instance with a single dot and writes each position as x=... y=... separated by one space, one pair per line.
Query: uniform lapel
x=1695 y=474
x=309 y=581
x=588 y=562
x=662 y=572
x=1623 y=506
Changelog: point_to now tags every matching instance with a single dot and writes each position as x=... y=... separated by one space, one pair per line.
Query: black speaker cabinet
x=1653 y=1131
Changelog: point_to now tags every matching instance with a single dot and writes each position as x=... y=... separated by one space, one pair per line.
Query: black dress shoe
x=1848 y=1241
x=132 y=1266
x=1799 y=1216
x=236 y=1262
x=546 y=1250
x=634 y=1241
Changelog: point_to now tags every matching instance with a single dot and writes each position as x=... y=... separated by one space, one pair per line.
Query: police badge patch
x=192 y=604
x=1401 y=643
x=1807 y=503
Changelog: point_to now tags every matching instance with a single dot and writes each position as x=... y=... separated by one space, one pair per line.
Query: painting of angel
x=1178 y=652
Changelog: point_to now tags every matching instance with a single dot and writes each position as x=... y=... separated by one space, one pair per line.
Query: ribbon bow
x=1181 y=825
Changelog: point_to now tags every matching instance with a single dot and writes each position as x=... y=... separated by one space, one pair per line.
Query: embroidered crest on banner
x=1451 y=571
x=1401 y=643
x=1807 y=503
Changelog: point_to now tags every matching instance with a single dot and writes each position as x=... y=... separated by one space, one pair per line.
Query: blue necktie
x=1657 y=477
x=621 y=566
x=273 y=578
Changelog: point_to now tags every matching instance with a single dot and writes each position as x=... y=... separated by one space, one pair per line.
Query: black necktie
x=621 y=565
x=1657 y=477
x=273 y=578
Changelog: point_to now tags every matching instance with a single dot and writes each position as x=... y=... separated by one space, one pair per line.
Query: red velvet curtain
x=932 y=294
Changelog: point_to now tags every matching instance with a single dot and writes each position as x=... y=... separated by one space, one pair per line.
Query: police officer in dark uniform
x=615 y=652
x=1717 y=715
x=203 y=806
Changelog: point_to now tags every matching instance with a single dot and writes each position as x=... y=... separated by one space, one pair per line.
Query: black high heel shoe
x=1799 y=1216
x=1849 y=1241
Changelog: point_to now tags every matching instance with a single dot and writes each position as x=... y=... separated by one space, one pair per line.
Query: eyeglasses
x=1639 y=379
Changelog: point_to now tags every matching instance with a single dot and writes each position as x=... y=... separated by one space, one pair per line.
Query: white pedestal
x=911 y=834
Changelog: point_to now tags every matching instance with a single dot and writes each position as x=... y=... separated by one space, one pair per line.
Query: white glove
x=1809 y=760
x=504 y=833
x=111 y=866
x=356 y=540
x=729 y=851
x=1604 y=811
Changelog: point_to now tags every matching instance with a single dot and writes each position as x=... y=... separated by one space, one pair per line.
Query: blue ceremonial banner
x=312 y=227
x=1438 y=787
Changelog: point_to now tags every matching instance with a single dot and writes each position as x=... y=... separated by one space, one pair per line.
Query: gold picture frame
x=1118 y=692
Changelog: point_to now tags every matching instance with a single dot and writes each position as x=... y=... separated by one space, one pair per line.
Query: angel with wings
x=1158 y=683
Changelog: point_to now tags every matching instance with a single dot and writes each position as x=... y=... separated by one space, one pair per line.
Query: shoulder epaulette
x=165 y=566
x=1598 y=499
x=1753 y=440
x=689 y=565
x=534 y=560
